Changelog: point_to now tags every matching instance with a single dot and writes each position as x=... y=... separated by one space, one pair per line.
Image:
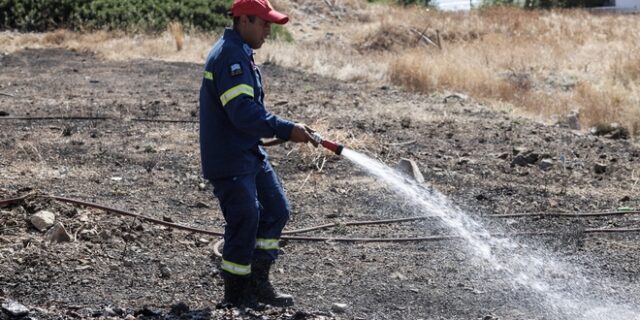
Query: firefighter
x=233 y=119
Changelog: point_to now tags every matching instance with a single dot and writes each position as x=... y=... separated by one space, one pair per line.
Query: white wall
x=628 y=4
x=451 y=5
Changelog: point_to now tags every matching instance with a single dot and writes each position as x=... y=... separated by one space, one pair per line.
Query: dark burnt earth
x=488 y=162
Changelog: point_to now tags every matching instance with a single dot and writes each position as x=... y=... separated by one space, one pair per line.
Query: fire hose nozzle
x=330 y=145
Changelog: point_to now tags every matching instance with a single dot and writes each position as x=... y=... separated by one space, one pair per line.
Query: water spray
x=328 y=144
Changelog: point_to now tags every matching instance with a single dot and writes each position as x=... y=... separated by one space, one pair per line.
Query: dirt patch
x=130 y=267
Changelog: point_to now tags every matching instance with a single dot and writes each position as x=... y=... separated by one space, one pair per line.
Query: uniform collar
x=234 y=36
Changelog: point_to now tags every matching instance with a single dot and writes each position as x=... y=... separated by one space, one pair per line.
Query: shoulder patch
x=235 y=69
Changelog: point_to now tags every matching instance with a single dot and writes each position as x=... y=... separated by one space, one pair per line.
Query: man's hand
x=302 y=133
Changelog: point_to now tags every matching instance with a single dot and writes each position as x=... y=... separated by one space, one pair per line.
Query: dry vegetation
x=543 y=63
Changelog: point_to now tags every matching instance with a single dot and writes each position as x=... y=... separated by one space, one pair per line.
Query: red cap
x=260 y=8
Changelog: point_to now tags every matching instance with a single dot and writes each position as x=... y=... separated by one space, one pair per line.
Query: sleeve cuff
x=283 y=129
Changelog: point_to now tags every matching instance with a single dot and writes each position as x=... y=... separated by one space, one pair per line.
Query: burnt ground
x=120 y=266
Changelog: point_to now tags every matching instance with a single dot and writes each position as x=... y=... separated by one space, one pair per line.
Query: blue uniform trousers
x=255 y=210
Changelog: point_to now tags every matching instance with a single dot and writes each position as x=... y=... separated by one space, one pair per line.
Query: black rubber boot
x=238 y=292
x=264 y=291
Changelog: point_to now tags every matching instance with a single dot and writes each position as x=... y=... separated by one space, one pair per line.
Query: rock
x=600 y=168
x=545 y=164
x=43 y=220
x=410 y=168
x=405 y=122
x=201 y=242
x=179 y=309
x=105 y=235
x=108 y=312
x=148 y=312
x=14 y=308
x=625 y=199
x=503 y=156
x=573 y=120
x=398 y=275
x=456 y=97
x=165 y=272
x=89 y=235
x=525 y=159
x=57 y=233
x=339 y=307
x=611 y=131
x=519 y=150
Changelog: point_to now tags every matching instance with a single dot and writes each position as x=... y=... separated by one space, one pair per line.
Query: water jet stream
x=562 y=290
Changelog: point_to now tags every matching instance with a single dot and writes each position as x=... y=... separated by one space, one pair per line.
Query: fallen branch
x=425 y=38
x=82 y=118
x=54 y=118
x=404 y=143
x=6 y=94
x=165 y=120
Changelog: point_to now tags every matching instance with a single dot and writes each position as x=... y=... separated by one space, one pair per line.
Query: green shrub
x=129 y=15
x=278 y=32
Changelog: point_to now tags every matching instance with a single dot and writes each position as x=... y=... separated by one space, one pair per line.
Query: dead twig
x=329 y=4
x=425 y=38
x=404 y=143
x=7 y=95
x=53 y=118
x=164 y=120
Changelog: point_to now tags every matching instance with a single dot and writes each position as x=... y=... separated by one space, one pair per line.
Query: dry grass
x=175 y=28
x=171 y=45
x=543 y=63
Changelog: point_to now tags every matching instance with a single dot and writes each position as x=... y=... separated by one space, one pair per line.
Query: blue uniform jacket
x=232 y=113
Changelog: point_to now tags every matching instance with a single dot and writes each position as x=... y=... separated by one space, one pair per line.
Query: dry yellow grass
x=542 y=63
x=175 y=28
x=545 y=63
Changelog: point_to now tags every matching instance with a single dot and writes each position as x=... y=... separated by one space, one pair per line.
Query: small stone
x=165 y=272
x=148 y=312
x=405 y=122
x=108 y=312
x=58 y=233
x=14 y=308
x=398 y=275
x=42 y=220
x=411 y=169
x=339 y=307
x=519 y=150
x=573 y=120
x=503 y=156
x=600 y=168
x=203 y=241
x=525 y=159
x=625 y=199
x=88 y=235
x=545 y=164
x=179 y=309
